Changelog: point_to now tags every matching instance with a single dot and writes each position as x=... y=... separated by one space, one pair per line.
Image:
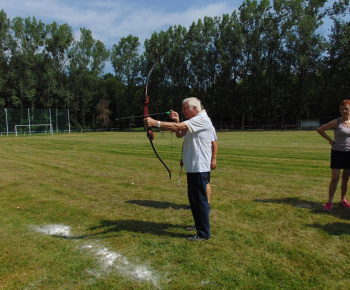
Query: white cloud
x=143 y=23
x=111 y=20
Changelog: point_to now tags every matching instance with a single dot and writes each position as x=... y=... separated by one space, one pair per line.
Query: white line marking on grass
x=54 y=230
x=111 y=260
x=108 y=259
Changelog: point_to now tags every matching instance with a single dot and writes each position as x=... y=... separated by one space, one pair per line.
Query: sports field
x=97 y=211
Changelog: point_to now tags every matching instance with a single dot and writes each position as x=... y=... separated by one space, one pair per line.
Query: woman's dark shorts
x=340 y=159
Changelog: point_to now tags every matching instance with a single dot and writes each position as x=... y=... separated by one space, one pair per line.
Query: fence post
x=68 y=122
x=30 y=133
x=7 y=124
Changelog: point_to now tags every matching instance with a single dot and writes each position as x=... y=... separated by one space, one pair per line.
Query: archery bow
x=150 y=135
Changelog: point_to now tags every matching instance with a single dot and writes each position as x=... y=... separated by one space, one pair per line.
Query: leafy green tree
x=338 y=72
x=113 y=89
x=303 y=51
x=159 y=85
x=124 y=58
x=25 y=49
x=177 y=64
x=169 y=82
x=252 y=67
x=339 y=10
x=203 y=57
x=228 y=43
x=126 y=64
x=54 y=81
x=252 y=14
x=86 y=62
x=4 y=39
x=271 y=79
x=336 y=69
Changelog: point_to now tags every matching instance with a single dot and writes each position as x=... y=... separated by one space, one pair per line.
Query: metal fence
x=33 y=120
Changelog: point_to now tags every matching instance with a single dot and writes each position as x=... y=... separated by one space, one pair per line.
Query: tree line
x=264 y=64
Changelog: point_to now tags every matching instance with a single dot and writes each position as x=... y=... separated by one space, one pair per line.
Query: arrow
x=168 y=112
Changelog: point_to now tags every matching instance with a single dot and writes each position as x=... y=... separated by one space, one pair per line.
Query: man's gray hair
x=193 y=102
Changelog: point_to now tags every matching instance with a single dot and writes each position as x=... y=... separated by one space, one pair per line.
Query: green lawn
x=97 y=211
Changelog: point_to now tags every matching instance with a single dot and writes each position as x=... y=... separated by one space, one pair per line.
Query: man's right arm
x=175 y=117
x=214 y=152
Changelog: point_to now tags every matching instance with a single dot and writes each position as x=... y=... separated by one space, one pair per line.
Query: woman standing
x=340 y=153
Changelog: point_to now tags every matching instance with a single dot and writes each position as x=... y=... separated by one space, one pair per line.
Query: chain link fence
x=28 y=121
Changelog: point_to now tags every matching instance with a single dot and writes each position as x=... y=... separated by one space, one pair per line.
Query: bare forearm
x=214 y=148
x=214 y=151
x=179 y=128
x=325 y=135
x=322 y=130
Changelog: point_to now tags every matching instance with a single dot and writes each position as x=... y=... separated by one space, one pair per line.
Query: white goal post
x=36 y=125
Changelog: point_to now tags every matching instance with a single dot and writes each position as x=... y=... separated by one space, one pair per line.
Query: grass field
x=97 y=211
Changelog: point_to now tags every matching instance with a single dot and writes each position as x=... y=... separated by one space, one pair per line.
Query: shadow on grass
x=158 y=204
x=316 y=207
x=335 y=229
x=294 y=201
x=106 y=228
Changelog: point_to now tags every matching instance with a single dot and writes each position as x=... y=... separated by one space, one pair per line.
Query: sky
x=110 y=20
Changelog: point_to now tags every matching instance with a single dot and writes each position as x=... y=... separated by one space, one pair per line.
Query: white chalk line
x=107 y=258
x=54 y=230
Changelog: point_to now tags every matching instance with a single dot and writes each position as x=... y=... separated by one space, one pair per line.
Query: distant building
x=309 y=124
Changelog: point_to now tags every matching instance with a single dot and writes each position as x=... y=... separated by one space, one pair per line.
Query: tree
x=203 y=57
x=4 y=42
x=103 y=113
x=160 y=89
x=338 y=72
x=124 y=58
x=58 y=39
x=271 y=81
x=255 y=66
x=87 y=58
x=25 y=49
x=228 y=43
x=113 y=88
x=176 y=63
x=303 y=50
x=126 y=64
x=251 y=15
x=336 y=64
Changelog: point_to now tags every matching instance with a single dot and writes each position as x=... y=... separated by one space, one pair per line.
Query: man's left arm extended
x=179 y=128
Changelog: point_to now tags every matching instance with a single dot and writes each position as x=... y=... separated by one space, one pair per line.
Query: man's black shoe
x=197 y=238
x=191 y=228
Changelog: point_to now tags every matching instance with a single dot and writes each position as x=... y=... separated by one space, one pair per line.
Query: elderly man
x=197 y=132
